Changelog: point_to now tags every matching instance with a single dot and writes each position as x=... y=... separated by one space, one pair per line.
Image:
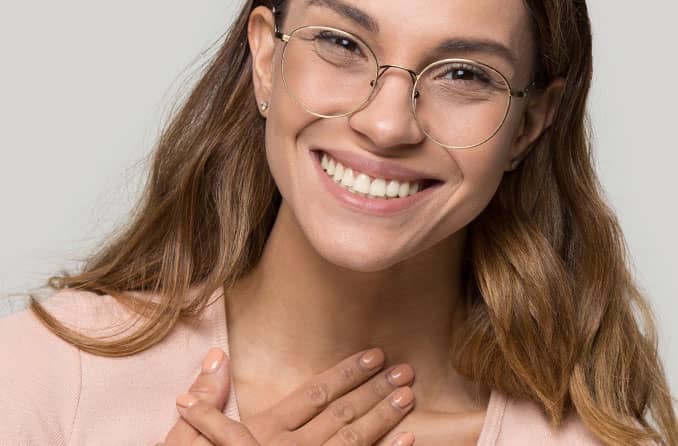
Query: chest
x=429 y=428
x=439 y=429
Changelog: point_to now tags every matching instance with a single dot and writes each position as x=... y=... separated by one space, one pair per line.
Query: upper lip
x=376 y=168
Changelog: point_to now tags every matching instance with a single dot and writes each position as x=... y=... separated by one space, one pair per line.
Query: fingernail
x=372 y=358
x=406 y=439
x=403 y=398
x=213 y=360
x=400 y=375
x=186 y=400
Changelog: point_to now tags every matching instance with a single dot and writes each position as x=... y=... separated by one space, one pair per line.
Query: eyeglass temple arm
x=278 y=35
x=522 y=93
x=285 y=37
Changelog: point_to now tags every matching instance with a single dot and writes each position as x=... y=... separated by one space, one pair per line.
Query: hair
x=552 y=306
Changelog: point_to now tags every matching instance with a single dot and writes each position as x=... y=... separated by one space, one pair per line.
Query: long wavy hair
x=551 y=301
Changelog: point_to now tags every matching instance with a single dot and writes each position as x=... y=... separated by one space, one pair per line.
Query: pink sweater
x=51 y=393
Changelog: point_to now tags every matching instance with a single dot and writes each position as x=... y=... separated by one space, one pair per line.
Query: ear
x=261 y=39
x=537 y=117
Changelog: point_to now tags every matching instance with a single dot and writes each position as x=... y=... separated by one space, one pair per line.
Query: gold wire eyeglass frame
x=381 y=69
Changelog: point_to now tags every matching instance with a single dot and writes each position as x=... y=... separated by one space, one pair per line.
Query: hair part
x=546 y=246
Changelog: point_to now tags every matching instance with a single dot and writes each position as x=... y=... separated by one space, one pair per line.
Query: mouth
x=368 y=186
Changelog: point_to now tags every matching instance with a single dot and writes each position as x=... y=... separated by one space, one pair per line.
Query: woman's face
x=383 y=139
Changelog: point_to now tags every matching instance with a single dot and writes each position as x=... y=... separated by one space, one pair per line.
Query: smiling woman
x=416 y=178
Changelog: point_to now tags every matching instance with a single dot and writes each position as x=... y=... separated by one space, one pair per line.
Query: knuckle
x=381 y=387
x=201 y=392
x=199 y=410
x=317 y=394
x=387 y=412
x=343 y=411
x=348 y=372
x=350 y=436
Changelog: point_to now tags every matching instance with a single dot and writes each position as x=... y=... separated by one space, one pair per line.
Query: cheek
x=483 y=166
x=285 y=120
x=481 y=170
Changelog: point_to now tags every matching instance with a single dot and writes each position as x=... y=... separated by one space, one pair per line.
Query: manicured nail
x=213 y=360
x=400 y=375
x=405 y=439
x=372 y=358
x=186 y=400
x=403 y=397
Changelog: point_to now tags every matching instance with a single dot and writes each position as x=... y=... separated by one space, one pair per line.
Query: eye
x=464 y=77
x=461 y=73
x=340 y=42
x=465 y=73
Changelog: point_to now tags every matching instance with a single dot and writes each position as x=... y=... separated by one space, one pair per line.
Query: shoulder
x=80 y=310
x=52 y=392
x=40 y=380
x=524 y=422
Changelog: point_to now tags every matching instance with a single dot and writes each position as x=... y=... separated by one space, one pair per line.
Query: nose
x=387 y=118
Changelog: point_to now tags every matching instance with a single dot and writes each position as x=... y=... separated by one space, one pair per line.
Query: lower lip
x=374 y=206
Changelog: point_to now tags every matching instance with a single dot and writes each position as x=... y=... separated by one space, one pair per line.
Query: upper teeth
x=359 y=182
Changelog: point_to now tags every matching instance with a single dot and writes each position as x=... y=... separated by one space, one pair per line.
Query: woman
x=415 y=178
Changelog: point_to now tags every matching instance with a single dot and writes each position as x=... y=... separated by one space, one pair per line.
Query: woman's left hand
x=211 y=386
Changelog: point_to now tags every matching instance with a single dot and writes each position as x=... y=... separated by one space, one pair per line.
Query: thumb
x=211 y=386
x=213 y=383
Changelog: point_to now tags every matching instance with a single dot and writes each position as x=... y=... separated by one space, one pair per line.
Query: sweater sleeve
x=40 y=382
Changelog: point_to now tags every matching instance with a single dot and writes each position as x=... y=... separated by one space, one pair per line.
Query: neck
x=296 y=315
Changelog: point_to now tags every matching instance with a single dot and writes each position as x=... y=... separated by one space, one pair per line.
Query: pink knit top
x=52 y=393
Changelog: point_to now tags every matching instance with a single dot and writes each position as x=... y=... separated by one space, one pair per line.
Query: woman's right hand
x=348 y=404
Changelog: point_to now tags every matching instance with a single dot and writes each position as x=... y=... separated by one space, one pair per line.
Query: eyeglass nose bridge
x=383 y=68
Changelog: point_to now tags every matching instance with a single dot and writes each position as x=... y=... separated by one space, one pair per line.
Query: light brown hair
x=550 y=298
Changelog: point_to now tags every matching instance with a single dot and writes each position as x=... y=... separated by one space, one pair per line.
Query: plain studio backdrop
x=85 y=87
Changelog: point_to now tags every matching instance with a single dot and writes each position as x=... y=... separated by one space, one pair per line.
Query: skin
x=359 y=280
x=353 y=400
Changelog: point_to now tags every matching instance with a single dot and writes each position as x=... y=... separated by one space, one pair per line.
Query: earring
x=263 y=105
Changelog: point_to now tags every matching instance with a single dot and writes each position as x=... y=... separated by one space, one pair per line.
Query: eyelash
x=330 y=36
x=482 y=76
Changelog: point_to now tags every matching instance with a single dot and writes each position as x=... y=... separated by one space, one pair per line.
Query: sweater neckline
x=493 y=414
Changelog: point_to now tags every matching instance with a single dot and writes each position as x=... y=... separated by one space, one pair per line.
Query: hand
x=347 y=404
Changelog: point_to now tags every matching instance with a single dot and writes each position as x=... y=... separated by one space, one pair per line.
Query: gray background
x=85 y=86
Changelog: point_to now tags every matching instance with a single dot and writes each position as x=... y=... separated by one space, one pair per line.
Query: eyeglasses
x=458 y=103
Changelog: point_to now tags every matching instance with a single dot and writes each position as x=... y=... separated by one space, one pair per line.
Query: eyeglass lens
x=458 y=103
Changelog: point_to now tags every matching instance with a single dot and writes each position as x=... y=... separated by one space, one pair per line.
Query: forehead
x=395 y=25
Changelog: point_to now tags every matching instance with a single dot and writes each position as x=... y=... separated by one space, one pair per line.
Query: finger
x=355 y=404
x=369 y=428
x=211 y=386
x=401 y=439
x=202 y=441
x=213 y=424
x=308 y=400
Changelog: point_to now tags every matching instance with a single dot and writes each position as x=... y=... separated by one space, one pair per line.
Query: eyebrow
x=473 y=45
x=456 y=45
x=348 y=11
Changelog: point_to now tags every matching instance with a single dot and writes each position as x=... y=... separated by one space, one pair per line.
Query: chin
x=357 y=255
x=361 y=265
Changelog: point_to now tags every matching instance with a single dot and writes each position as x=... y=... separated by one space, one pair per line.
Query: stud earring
x=264 y=105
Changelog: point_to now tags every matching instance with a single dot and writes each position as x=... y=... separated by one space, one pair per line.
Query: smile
x=383 y=196
x=362 y=184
